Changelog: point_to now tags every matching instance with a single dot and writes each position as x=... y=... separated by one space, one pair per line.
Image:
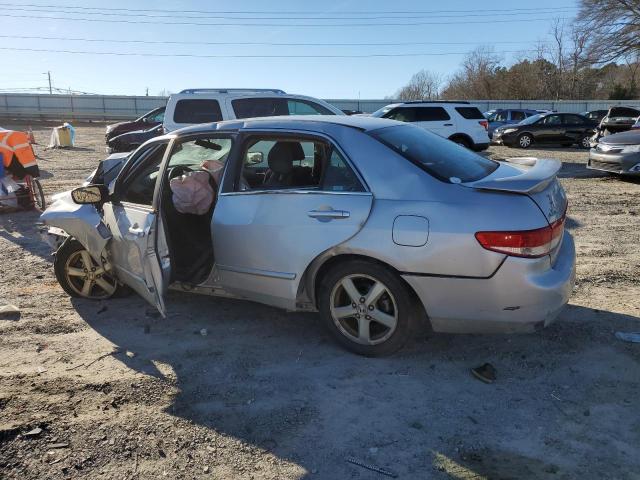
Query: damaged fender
x=83 y=222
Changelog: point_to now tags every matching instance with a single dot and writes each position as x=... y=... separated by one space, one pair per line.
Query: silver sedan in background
x=376 y=224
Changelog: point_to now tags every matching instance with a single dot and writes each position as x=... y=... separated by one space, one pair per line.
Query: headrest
x=282 y=156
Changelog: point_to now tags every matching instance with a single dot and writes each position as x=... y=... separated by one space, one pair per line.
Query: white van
x=206 y=105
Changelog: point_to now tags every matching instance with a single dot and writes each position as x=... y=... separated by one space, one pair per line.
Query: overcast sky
x=370 y=70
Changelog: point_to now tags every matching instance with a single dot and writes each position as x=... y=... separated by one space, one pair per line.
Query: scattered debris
x=632 y=337
x=204 y=332
x=485 y=373
x=206 y=469
x=59 y=445
x=9 y=312
x=373 y=468
x=33 y=433
x=41 y=369
x=130 y=354
x=114 y=352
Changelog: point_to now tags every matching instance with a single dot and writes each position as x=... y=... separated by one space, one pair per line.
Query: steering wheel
x=179 y=170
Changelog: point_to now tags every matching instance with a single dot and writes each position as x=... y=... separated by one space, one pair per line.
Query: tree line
x=596 y=56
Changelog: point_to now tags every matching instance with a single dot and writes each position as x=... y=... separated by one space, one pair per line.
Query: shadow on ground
x=277 y=381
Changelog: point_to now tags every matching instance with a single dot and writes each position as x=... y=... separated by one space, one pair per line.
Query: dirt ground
x=114 y=391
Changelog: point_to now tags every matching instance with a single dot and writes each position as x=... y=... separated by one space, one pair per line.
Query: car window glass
x=269 y=107
x=201 y=153
x=431 y=114
x=573 y=120
x=139 y=184
x=438 y=156
x=552 y=120
x=194 y=111
x=301 y=107
x=500 y=117
x=156 y=118
x=401 y=114
x=470 y=113
x=517 y=116
x=277 y=164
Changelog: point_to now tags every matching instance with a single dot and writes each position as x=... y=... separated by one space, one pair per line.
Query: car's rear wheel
x=525 y=140
x=80 y=275
x=367 y=308
x=463 y=142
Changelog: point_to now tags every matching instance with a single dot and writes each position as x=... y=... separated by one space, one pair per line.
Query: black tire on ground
x=525 y=140
x=395 y=302
x=462 y=141
x=38 y=195
x=70 y=255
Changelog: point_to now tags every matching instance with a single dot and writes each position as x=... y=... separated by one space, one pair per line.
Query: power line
x=288 y=44
x=302 y=25
x=190 y=55
x=262 y=17
x=271 y=12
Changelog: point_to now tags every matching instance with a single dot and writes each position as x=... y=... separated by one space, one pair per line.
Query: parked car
x=618 y=153
x=595 y=115
x=129 y=141
x=146 y=121
x=564 y=129
x=507 y=117
x=321 y=224
x=206 y=105
x=617 y=119
x=460 y=122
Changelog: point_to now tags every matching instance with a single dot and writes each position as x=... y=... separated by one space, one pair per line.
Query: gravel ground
x=110 y=390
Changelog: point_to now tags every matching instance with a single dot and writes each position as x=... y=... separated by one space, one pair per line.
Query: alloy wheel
x=364 y=309
x=87 y=278
x=586 y=142
x=525 y=141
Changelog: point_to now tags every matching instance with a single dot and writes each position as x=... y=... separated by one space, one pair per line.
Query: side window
x=157 y=117
x=470 y=113
x=286 y=163
x=431 y=114
x=194 y=111
x=402 y=114
x=140 y=182
x=259 y=107
x=302 y=107
x=500 y=116
x=573 y=120
x=517 y=116
x=552 y=120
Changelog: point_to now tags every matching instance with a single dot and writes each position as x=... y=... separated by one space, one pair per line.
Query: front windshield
x=443 y=159
x=531 y=120
x=383 y=111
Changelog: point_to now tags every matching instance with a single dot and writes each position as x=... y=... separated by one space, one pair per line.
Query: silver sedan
x=378 y=225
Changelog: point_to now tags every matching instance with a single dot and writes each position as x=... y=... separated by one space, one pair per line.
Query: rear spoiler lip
x=539 y=174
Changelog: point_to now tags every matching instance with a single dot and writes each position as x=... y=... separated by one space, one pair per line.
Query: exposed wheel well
x=326 y=266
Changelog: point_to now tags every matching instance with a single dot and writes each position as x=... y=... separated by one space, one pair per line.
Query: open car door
x=132 y=217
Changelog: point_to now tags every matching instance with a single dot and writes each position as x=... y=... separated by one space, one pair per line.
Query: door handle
x=448 y=124
x=329 y=214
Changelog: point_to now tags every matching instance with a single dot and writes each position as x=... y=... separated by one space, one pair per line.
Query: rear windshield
x=197 y=111
x=270 y=107
x=624 y=112
x=438 y=156
x=470 y=113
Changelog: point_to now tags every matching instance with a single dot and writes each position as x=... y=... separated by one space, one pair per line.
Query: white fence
x=112 y=107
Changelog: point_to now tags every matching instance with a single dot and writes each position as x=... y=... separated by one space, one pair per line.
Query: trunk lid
x=534 y=177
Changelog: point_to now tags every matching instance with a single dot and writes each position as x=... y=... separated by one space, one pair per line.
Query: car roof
x=293 y=122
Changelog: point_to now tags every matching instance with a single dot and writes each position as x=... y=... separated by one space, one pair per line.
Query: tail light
x=485 y=124
x=524 y=243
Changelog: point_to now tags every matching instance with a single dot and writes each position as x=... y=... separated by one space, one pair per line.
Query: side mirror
x=91 y=194
x=254 y=158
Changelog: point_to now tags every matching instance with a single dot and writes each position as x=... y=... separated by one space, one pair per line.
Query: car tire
x=73 y=269
x=525 y=140
x=463 y=142
x=585 y=142
x=371 y=327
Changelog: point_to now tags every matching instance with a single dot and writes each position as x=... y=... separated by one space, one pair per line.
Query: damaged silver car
x=376 y=224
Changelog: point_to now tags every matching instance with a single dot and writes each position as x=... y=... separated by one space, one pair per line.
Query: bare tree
x=424 y=85
x=614 y=26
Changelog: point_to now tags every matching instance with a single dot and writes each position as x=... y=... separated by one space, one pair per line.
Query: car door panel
x=133 y=252
x=264 y=241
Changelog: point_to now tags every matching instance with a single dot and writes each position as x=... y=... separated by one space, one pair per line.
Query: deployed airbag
x=192 y=192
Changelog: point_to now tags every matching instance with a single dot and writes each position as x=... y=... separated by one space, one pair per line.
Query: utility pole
x=48 y=74
x=147 y=92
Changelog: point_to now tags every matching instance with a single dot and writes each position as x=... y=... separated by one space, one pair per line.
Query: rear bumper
x=624 y=164
x=523 y=295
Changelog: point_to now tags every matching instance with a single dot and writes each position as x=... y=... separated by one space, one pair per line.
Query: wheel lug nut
x=353 y=305
x=357 y=315
x=361 y=299
x=367 y=317
x=370 y=307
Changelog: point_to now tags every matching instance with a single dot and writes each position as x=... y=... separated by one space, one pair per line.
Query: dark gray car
x=618 y=153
